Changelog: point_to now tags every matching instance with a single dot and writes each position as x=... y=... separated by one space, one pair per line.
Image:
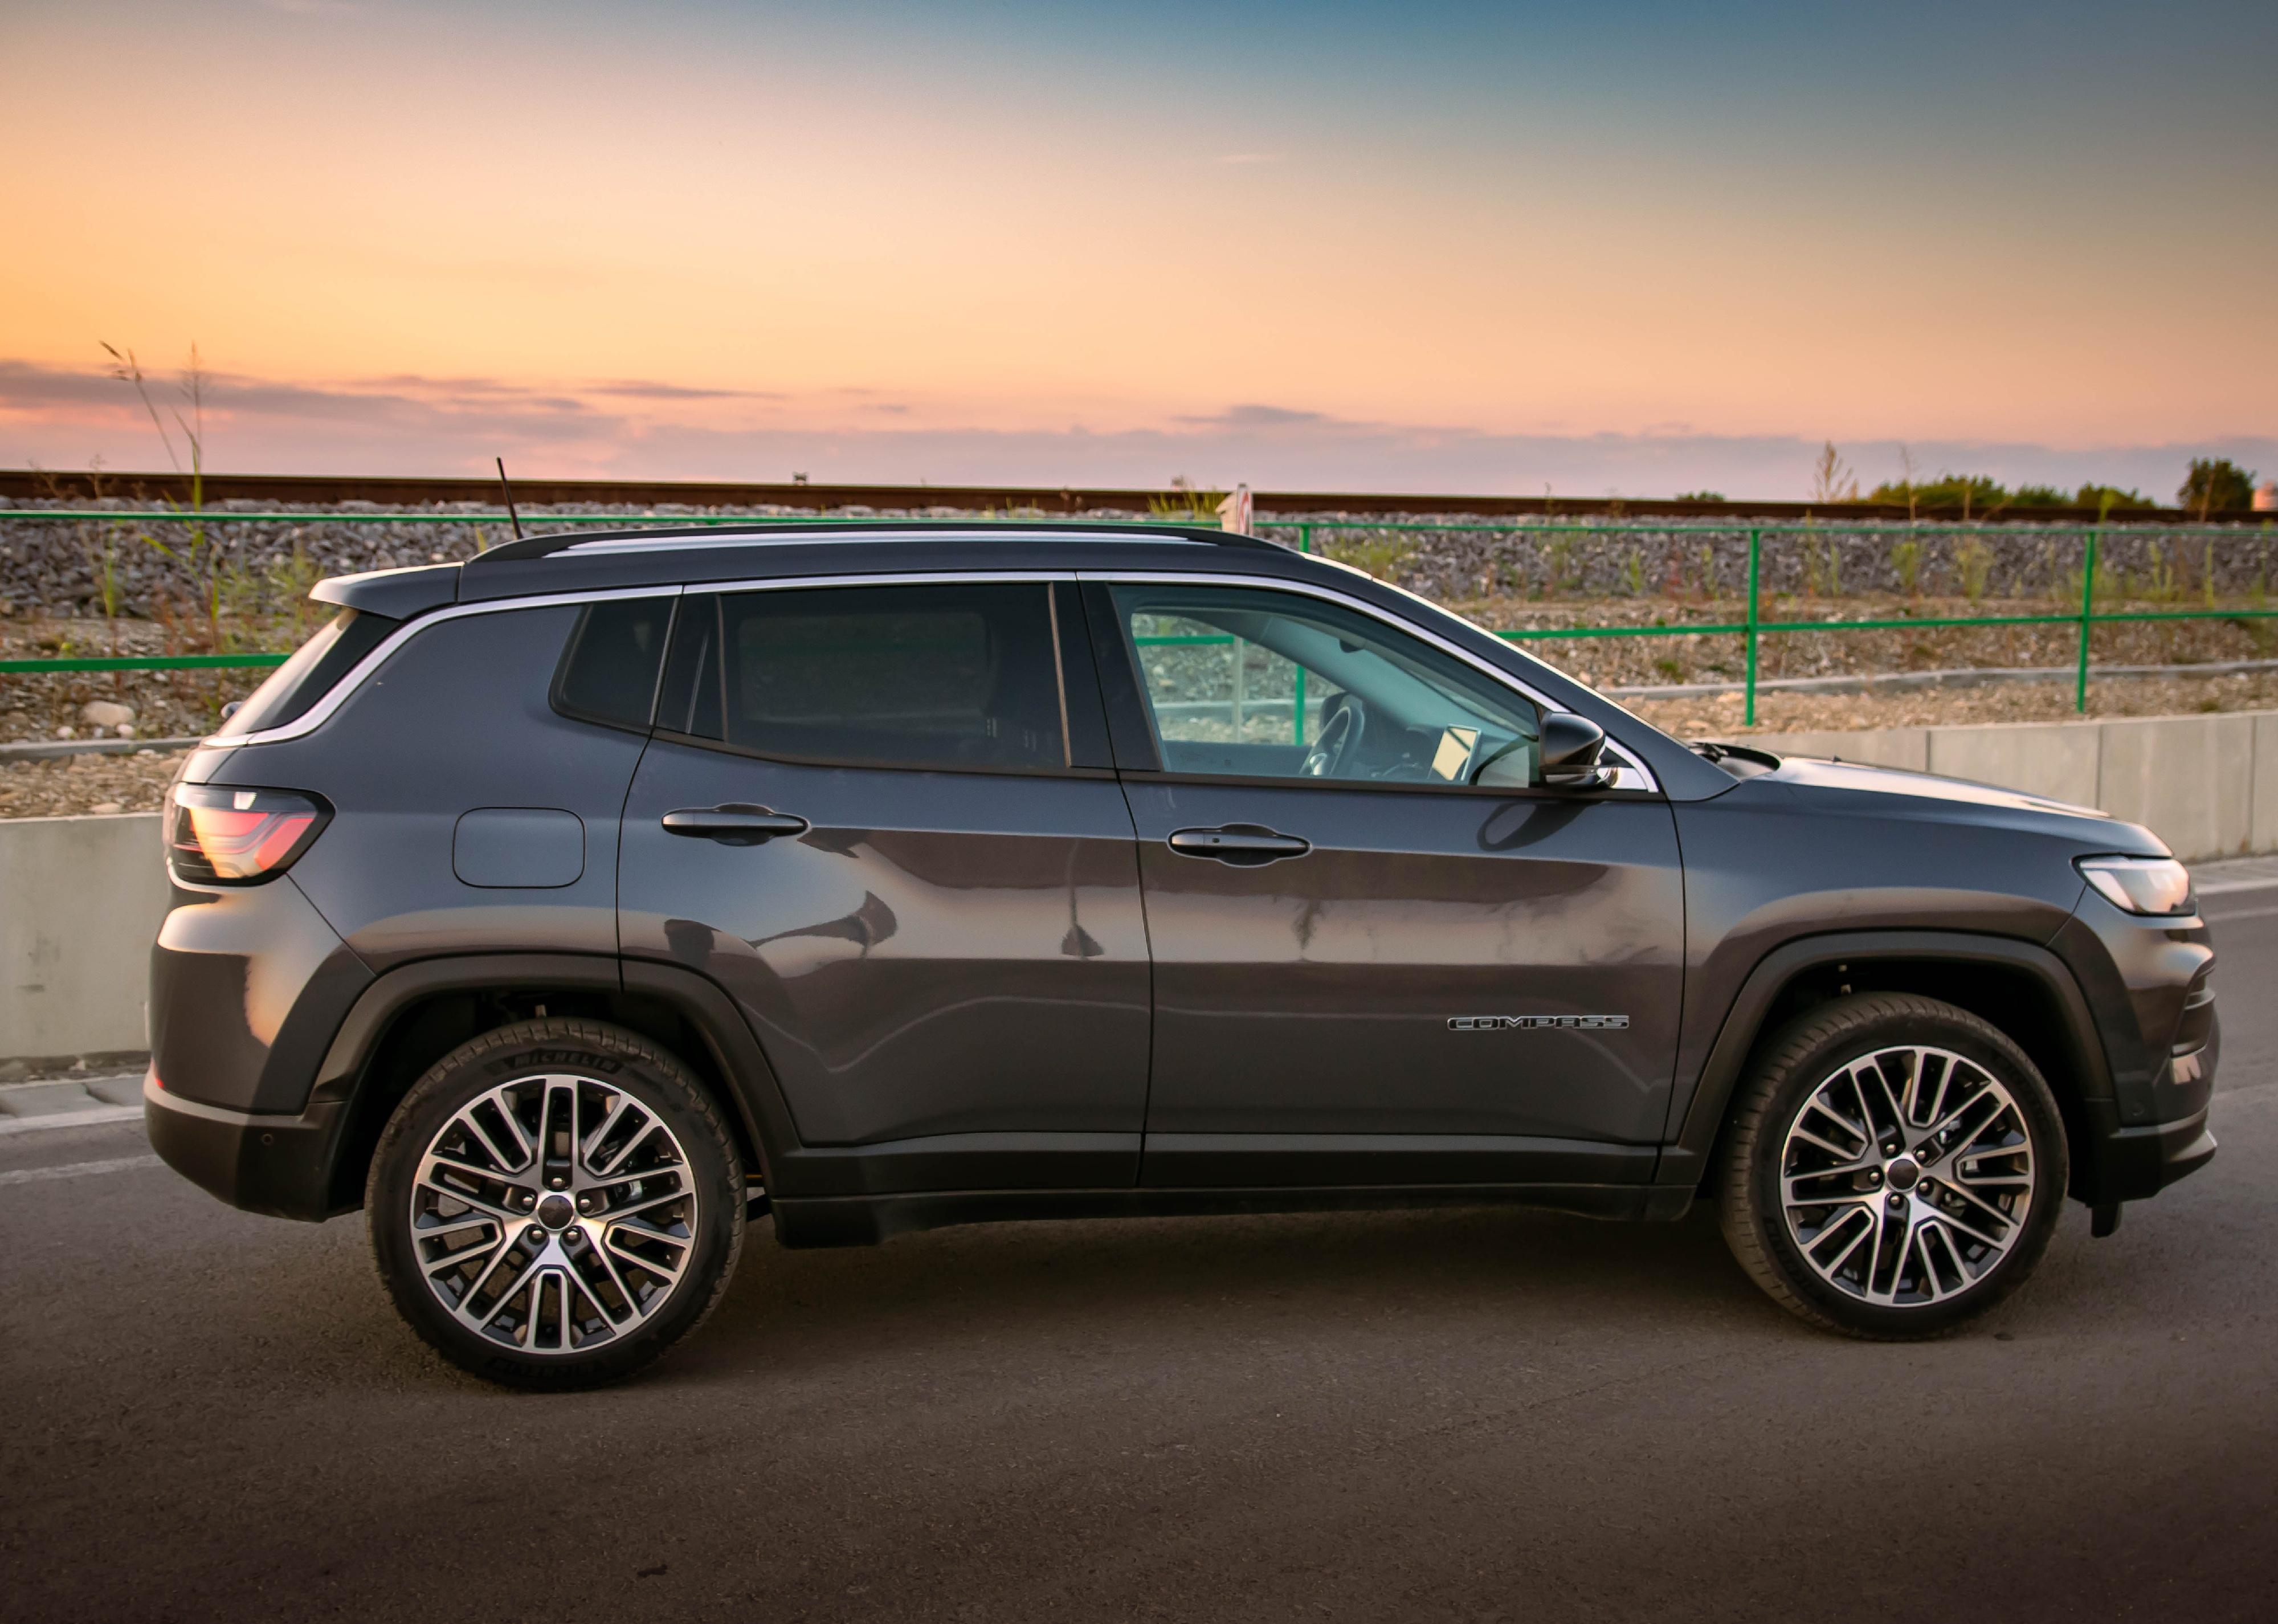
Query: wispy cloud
x=1257 y=416
x=408 y=424
x=640 y=390
x=1247 y=157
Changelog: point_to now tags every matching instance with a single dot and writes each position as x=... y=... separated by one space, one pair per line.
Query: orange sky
x=881 y=227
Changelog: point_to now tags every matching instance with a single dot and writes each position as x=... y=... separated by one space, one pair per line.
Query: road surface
x=1442 y=1415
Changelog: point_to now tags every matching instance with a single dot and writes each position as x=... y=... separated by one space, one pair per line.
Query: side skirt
x=865 y=1220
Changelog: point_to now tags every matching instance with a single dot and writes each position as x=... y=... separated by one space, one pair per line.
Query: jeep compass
x=566 y=908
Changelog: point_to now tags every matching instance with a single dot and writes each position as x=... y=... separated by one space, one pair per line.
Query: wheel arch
x=416 y=1013
x=2023 y=989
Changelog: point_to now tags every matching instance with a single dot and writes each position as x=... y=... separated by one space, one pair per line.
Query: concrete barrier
x=80 y=897
x=2208 y=786
x=80 y=901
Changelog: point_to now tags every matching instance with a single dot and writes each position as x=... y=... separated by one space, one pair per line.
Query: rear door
x=882 y=817
x=1369 y=968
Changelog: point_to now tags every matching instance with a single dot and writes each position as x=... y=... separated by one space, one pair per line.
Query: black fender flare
x=1685 y=1161
x=753 y=1092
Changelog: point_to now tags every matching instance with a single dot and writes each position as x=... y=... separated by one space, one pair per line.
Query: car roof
x=586 y=561
x=695 y=555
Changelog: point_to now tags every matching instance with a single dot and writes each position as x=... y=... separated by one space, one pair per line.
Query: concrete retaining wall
x=2208 y=786
x=80 y=897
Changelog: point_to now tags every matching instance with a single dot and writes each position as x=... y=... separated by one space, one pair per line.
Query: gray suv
x=566 y=908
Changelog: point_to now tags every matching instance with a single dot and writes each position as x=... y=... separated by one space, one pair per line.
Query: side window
x=608 y=671
x=1255 y=683
x=950 y=676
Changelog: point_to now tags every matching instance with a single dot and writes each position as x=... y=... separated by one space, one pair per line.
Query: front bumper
x=2142 y=1161
x=2135 y=1159
x=262 y=1161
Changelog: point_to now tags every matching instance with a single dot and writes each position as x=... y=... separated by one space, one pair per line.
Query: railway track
x=291 y=490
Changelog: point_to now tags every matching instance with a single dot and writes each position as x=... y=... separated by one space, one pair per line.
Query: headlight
x=2140 y=884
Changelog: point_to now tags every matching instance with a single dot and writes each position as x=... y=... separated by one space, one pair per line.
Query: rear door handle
x=1244 y=845
x=734 y=824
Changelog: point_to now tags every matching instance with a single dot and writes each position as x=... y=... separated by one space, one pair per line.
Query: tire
x=1891 y=1247
x=562 y=1272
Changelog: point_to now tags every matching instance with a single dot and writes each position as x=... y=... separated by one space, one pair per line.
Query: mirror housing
x=1570 y=748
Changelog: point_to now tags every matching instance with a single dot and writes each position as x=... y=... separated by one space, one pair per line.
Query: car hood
x=1858 y=787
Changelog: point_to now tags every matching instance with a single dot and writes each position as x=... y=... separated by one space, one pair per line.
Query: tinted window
x=314 y=670
x=608 y=673
x=1263 y=683
x=948 y=676
x=689 y=702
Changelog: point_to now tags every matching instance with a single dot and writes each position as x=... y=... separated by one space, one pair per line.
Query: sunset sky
x=1617 y=247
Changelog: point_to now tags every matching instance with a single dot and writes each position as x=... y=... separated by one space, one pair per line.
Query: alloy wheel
x=1906 y=1176
x=553 y=1214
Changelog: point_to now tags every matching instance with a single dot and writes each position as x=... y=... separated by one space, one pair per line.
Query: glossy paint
x=458 y=721
x=2140 y=972
x=949 y=984
x=1816 y=847
x=1314 y=995
x=939 y=954
x=248 y=984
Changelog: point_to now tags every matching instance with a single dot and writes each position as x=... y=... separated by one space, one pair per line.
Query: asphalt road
x=1459 y=1415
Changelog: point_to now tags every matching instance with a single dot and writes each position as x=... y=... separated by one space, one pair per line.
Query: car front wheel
x=1894 y=1168
x=555 y=1203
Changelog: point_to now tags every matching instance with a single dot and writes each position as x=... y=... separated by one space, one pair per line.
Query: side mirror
x=1570 y=748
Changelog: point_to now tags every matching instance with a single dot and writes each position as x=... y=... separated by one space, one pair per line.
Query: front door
x=865 y=815
x=1369 y=969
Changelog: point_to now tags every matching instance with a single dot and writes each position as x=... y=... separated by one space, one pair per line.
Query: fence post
x=1755 y=557
x=1304 y=538
x=2087 y=611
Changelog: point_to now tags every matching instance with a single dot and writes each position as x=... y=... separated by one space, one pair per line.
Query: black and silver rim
x=1906 y=1176
x=553 y=1214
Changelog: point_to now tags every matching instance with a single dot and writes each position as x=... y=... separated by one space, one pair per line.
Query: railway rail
x=289 y=490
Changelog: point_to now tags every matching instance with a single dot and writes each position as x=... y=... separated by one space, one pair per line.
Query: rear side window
x=314 y=670
x=609 y=672
x=950 y=676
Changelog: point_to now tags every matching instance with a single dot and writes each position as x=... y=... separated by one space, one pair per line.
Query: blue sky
x=1620 y=247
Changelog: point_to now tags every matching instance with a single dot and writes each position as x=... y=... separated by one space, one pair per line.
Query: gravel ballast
x=59 y=574
x=75 y=786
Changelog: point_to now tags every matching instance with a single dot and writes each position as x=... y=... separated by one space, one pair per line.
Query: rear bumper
x=263 y=1162
x=248 y=985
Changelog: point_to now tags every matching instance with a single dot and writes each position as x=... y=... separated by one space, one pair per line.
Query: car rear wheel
x=555 y=1203
x=1894 y=1167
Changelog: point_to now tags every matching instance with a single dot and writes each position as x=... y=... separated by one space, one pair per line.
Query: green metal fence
x=1752 y=628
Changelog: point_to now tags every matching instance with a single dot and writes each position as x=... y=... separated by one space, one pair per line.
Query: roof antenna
x=509 y=489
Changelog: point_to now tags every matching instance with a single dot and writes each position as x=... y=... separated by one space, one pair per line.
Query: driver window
x=1254 y=683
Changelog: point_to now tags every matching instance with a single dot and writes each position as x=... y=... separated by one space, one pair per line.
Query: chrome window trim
x=318 y=715
x=900 y=578
x=1631 y=765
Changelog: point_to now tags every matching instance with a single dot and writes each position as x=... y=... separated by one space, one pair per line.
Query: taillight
x=220 y=835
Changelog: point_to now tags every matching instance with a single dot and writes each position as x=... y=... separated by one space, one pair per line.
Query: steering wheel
x=1342 y=725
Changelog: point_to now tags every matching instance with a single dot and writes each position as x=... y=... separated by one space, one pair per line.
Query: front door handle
x=1244 y=845
x=736 y=823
